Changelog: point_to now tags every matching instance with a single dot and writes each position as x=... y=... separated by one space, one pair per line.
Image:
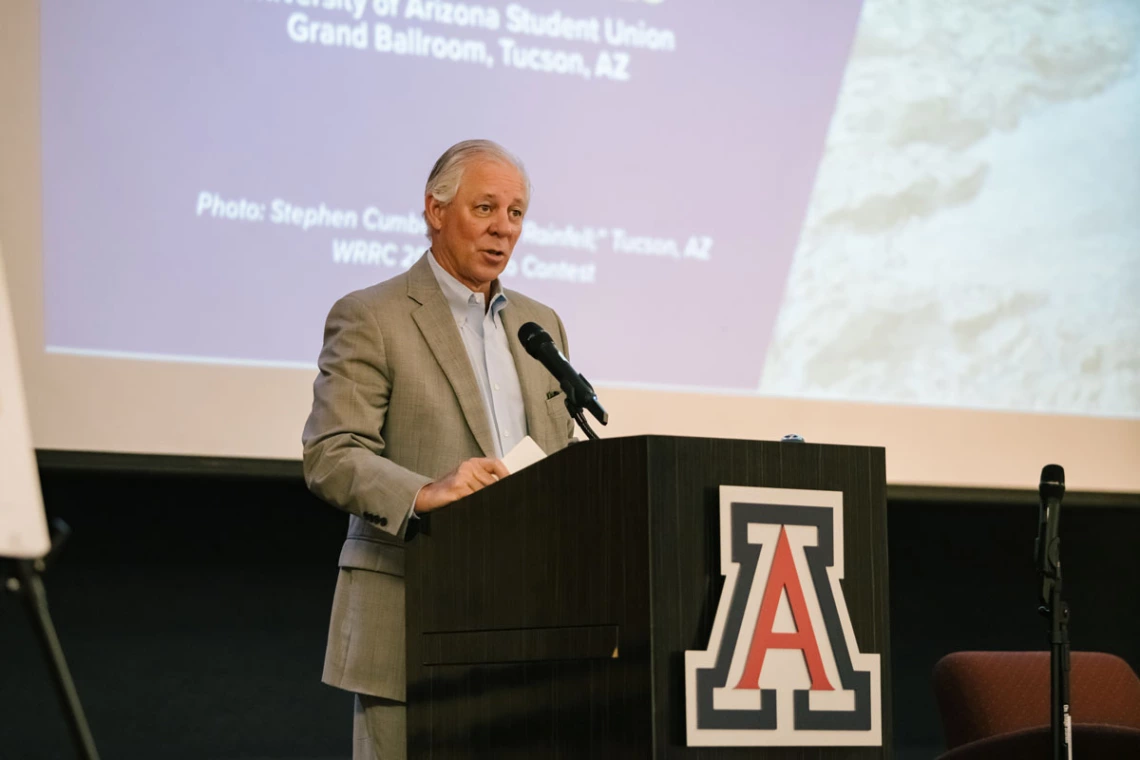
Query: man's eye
x=483 y=207
x=516 y=213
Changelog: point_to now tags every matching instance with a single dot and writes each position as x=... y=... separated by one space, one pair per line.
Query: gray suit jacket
x=395 y=406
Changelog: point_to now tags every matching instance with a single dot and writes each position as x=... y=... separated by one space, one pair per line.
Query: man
x=423 y=386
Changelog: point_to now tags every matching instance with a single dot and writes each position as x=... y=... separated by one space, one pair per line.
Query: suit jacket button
x=383 y=521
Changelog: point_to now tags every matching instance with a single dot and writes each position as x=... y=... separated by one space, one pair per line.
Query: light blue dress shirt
x=485 y=337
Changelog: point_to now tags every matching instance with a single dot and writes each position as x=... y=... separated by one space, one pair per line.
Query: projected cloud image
x=973 y=237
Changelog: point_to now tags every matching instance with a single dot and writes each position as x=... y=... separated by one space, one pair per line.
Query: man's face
x=473 y=236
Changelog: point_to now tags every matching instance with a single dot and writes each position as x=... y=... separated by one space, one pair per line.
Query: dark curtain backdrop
x=192 y=606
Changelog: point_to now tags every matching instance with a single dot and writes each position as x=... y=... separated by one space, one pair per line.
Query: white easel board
x=23 y=526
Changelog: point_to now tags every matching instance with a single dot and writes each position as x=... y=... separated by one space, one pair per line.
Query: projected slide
x=889 y=201
x=218 y=173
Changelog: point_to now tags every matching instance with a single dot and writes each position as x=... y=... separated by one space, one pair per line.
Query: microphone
x=1051 y=491
x=579 y=393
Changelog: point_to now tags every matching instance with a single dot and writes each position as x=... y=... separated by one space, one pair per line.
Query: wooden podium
x=549 y=615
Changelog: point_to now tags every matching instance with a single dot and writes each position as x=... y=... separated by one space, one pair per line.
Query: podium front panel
x=549 y=615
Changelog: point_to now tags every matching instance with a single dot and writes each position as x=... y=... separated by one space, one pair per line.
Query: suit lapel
x=532 y=377
x=437 y=324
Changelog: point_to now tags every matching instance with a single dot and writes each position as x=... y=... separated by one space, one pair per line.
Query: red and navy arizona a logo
x=782 y=667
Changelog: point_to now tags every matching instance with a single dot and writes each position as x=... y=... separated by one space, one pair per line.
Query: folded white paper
x=525 y=453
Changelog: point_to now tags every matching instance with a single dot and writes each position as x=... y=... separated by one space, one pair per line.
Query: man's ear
x=434 y=212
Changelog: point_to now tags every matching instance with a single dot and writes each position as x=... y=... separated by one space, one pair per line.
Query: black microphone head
x=1052 y=481
x=531 y=335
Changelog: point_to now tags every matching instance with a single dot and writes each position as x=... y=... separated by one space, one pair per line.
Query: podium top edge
x=656 y=437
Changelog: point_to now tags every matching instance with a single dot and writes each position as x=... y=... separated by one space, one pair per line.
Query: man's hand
x=466 y=479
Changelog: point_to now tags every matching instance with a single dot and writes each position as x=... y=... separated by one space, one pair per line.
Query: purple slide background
x=145 y=104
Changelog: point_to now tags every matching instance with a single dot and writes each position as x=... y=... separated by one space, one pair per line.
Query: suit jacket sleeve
x=343 y=446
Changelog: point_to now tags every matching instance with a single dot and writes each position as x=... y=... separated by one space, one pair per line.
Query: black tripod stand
x=23 y=578
x=1053 y=607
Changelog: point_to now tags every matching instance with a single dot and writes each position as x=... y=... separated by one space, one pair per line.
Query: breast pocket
x=556 y=402
x=560 y=419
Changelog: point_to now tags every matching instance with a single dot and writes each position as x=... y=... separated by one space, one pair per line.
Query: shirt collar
x=459 y=296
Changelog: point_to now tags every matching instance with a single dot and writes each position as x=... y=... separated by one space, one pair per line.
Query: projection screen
x=889 y=222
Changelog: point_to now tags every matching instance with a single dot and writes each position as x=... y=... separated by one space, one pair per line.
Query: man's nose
x=501 y=223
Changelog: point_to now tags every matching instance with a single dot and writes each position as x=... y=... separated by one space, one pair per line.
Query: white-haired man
x=423 y=386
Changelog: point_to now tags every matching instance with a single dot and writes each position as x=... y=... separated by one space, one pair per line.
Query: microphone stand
x=580 y=417
x=1056 y=610
x=576 y=406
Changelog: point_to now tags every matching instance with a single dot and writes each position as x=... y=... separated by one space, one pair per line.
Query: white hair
x=443 y=182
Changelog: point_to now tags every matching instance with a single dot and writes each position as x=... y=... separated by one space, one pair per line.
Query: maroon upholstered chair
x=1090 y=742
x=996 y=704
